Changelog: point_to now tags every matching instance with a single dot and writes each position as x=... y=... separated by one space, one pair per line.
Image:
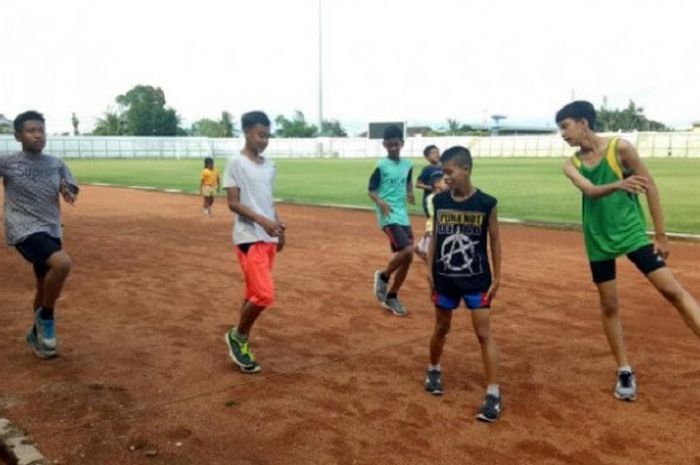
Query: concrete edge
x=17 y=448
x=685 y=237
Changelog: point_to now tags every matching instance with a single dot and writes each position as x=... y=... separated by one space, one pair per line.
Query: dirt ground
x=144 y=376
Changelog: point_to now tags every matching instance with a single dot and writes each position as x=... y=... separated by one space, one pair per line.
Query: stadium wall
x=649 y=144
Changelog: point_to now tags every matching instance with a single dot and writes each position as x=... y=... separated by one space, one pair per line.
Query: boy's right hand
x=634 y=184
x=386 y=209
x=271 y=227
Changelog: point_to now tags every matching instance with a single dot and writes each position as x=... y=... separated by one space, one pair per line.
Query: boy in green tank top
x=611 y=175
x=390 y=187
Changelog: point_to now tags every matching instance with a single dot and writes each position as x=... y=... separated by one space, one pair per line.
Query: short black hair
x=460 y=155
x=30 y=115
x=250 y=119
x=578 y=110
x=393 y=132
x=427 y=149
x=208 y=160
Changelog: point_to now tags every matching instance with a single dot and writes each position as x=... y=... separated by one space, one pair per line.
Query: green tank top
x=613 y=225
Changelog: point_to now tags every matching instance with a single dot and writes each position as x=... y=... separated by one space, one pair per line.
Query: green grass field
x=527 y=188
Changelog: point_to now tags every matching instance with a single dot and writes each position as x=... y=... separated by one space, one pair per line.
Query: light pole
x=320 y=70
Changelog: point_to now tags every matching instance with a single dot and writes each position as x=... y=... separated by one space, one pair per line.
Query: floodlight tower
x=496 y=123
x=320 y=69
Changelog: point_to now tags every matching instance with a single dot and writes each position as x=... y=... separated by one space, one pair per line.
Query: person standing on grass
x=258 y=234
x=390 y=186
x=209 y=184
x=465 y=227
x=611 y=176
x=33 y=183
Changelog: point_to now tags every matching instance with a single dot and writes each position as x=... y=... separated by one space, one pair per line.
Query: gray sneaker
x=42 y=352
x=626 y=387
x=45 y=331
x=380 y=287
x=433 y=382
x=395 y=306
x=490 y=410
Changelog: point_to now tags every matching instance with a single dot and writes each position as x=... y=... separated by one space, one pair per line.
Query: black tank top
x=461 y=234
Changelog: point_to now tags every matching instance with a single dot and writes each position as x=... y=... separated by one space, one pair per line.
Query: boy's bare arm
x=495 y=240
x=633 y=184
x=431 y=256
x=234 y=204
x=631 y=160
x=386 y=209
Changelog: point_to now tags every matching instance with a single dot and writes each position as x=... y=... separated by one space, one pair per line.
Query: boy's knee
x=483 y=335
x=60 y=262
x=609 y=306
x=442 y=328
x=672 y=293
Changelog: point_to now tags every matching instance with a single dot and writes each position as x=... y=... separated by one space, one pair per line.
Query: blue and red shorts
x=473 y=301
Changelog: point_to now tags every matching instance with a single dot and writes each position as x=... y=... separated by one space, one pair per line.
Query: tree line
x=142 y=111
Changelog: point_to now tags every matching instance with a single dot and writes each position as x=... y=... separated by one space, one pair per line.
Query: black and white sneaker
x=433 y=382
x=626 y=387
x=490 y=410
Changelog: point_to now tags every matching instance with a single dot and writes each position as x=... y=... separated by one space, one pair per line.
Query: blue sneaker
x=45 y=332
x=39 y=350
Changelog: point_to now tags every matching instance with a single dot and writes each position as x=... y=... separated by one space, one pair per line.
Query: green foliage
x=527 y=188
x=226 y=122
x=455 y=128
x=295 y=127
x=75 y=122
x=332 y=128
x=209 y=128
x=145 y=112
x=629 y=119
x=112 y=123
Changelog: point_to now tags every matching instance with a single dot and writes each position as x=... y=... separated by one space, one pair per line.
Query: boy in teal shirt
x=390 y=186
x=611 y=175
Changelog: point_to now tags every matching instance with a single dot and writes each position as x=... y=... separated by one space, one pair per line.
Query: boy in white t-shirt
x=258 y=234
x=437 y=185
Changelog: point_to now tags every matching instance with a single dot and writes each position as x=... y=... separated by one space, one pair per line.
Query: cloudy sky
x=415 y=60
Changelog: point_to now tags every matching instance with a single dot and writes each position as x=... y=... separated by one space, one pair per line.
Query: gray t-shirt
x=256 y=183
x=32 y=188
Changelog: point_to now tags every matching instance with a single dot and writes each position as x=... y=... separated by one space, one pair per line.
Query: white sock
x=624 y=368
x=494 y=390
x=432 y=367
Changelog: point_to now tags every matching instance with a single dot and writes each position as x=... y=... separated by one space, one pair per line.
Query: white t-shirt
x=256 y=184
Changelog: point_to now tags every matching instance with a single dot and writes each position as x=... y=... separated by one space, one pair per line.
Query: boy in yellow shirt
x=208 y=183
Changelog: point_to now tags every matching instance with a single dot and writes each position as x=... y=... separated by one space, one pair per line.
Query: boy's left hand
x=67 y=192
x=491 y=293
x=281 y=241
x=411 y=198
x=661 y=246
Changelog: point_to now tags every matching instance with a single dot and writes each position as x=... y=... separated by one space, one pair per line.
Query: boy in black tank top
x=465 y=221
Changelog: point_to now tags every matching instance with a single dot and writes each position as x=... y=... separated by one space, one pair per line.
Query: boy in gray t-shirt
x=33 y=182
x=258 y=233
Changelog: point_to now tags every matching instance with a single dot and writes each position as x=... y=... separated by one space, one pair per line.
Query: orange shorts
x=256 y=264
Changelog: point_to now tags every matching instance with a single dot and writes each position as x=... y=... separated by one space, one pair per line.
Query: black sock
x=46 y=313
x=392 y=295
x=384 y=277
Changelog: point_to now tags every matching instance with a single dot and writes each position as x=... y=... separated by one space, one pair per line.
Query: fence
x=649 y=144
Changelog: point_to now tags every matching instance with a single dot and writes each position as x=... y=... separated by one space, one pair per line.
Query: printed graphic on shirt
x=458 y=254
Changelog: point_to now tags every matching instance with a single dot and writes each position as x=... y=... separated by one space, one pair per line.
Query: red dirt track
x=144 y=366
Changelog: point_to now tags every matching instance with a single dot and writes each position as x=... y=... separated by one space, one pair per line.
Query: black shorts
x=644 y=259
x=400 y=236
x=37 y=249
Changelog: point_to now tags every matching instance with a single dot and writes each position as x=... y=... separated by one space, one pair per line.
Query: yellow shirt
x=210 y=177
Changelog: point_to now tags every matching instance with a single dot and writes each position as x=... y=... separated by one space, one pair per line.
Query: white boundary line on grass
x=537 y=224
